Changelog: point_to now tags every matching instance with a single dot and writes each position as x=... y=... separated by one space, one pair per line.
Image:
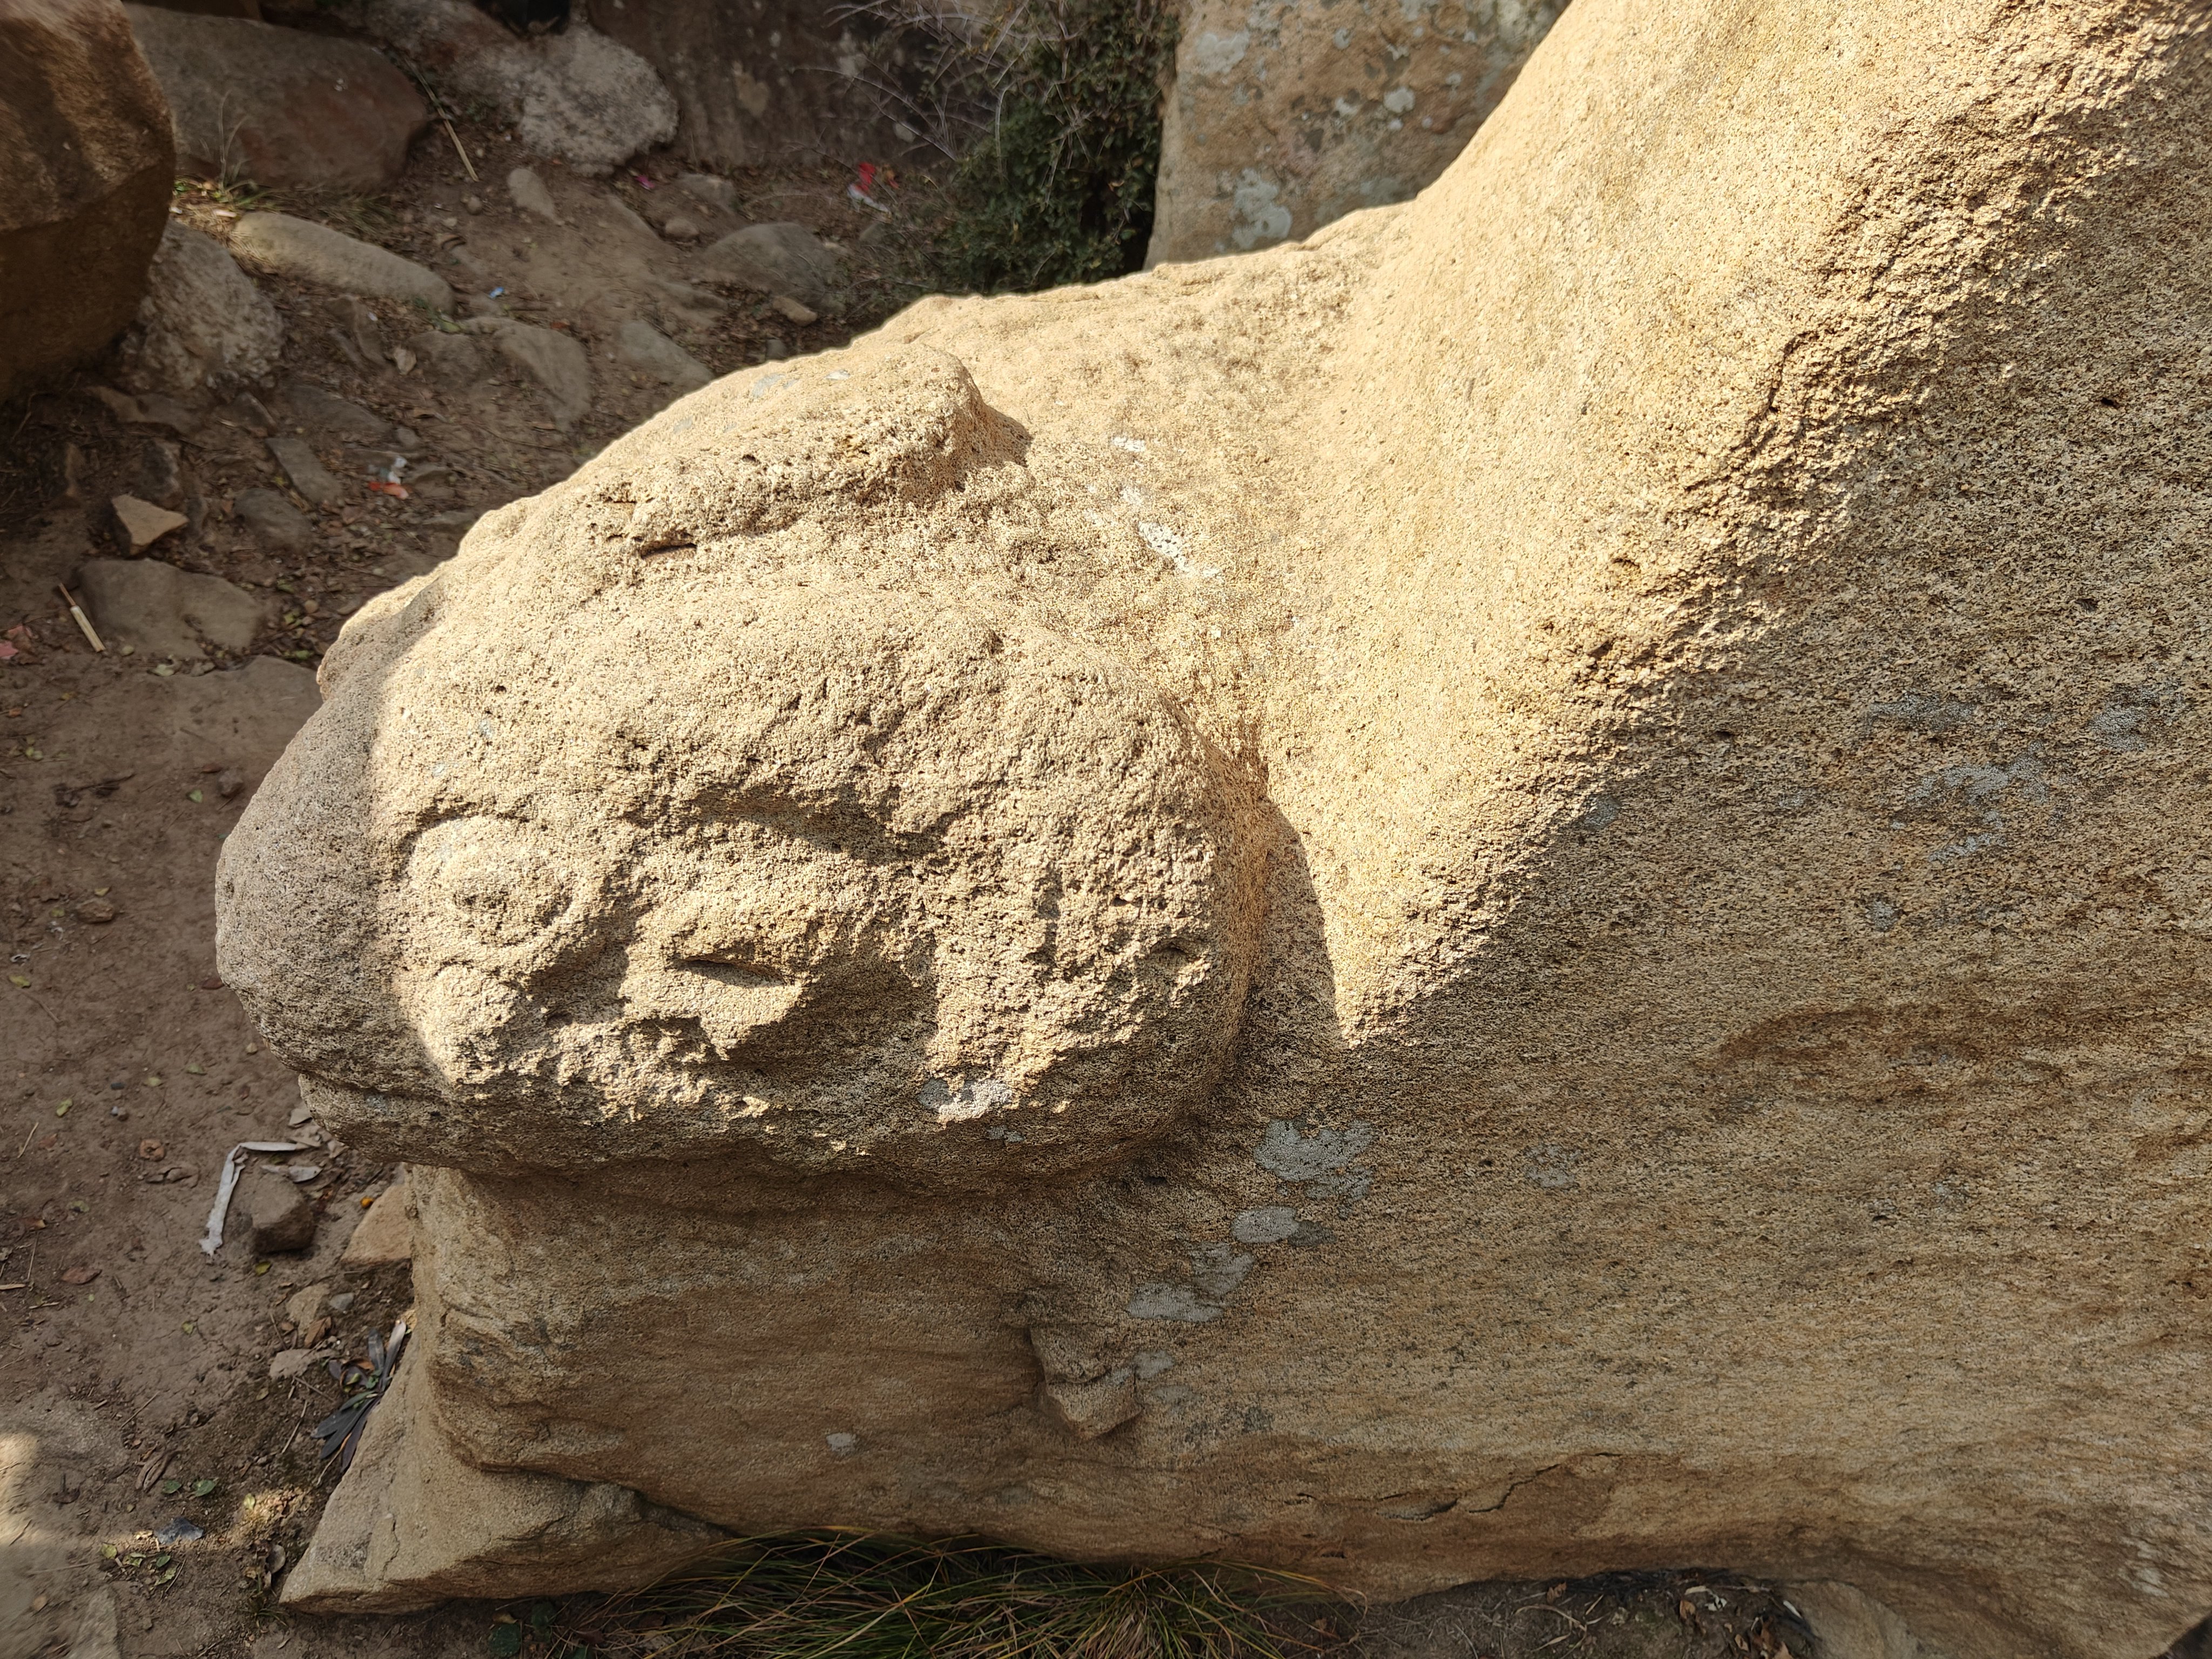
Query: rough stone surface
x=1850 y=1624
x=555 y=362
x=527 y=191
x=315 y=482
x=383 y=1235
x=85 y=172
x=280 y=106
x=138 y=523
x=450 y=360
x=95 y=1629
x=323 y=411
x=273 y=518
x=781 y=258
x=278 y=1218
x=766 y=80
x=315 y=253
x=644 y=347
x=1621 y=740
x=413 y=1524
x=1287 y=114
x=167 y=612
x=577 y=95
x=202 y=321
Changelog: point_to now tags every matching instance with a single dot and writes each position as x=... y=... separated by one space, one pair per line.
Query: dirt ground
x=135 y=1389
x=135 y=1384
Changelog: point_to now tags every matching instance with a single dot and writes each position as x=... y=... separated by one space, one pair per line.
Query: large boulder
x=1512 y=893
x=279 y=106
x=86 y=167
x=769 y=81
x=1285 y=116
x=576 y=94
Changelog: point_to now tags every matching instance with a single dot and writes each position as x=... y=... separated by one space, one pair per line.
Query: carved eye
x=494 y=879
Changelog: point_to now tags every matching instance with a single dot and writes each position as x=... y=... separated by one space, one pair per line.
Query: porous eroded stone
x=1530 y=868
x=280 y=106
x=86 y=166
x=1287 y=114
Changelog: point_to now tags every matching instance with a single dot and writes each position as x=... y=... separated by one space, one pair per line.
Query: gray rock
x=577 y=94
x=308 y=475
x=272 y=519
x=450 y=360
x=161 y=473
x=706 y=188
x=696 y=305
x=325 y=411
x=314 y=253
x=202 y=321
x=278 y=106
x=95 y=1627
x=642 y=346
x=629 y=219
x=555 y=362
x=783 y=258
x=359 y=338
x=160 y=610
x=527 y=191
x=278 y=1216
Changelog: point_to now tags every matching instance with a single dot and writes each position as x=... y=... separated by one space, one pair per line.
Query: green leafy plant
x=867 y=1595
x=1047 y=115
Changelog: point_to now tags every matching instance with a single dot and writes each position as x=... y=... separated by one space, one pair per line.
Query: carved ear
x=757 y=453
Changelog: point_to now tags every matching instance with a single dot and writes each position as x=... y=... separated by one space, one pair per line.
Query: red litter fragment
x=396 y=490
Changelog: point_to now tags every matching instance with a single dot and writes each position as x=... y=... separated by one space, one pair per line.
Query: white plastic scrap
x=212 y=1241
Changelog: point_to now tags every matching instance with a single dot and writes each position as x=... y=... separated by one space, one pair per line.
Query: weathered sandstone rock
x=85 y=171
x=410 y=1510
x=279 y=106
x=1530 y=870
x=1287 y=114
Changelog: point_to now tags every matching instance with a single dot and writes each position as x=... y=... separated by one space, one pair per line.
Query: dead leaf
x=150 y=1150
x=79 y=1275
x=150 y=1470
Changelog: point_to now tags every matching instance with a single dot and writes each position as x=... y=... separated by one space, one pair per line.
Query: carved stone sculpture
x=1515 y=892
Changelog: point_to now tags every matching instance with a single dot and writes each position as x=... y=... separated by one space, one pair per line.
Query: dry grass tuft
x=866 y=1595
